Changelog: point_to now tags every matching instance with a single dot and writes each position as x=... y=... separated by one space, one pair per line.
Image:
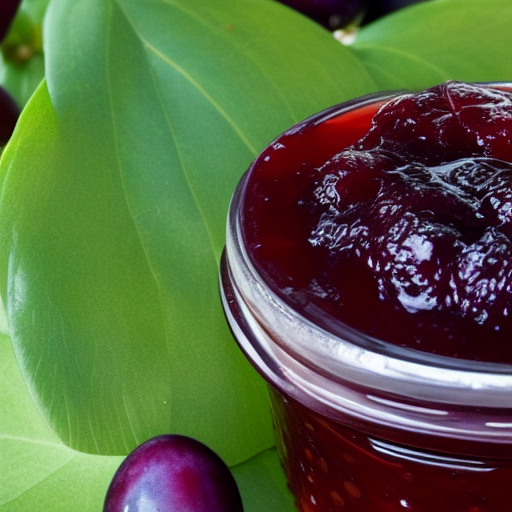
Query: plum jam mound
x=397 y=223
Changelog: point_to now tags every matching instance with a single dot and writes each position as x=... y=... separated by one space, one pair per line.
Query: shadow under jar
x=374 y=297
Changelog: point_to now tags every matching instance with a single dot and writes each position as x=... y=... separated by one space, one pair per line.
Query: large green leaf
x=468 y=40
x=40 y=474
x=124 y=166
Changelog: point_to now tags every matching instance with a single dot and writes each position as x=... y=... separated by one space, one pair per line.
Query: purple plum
x=173 y=473
x=9 y=113
x=8 y=9
x=332 y=14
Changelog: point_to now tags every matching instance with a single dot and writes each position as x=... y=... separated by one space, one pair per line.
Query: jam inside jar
x=334 y=467
x=368 y=277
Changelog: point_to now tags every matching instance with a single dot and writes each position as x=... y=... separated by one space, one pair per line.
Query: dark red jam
x=334 y=467
x=396 y=219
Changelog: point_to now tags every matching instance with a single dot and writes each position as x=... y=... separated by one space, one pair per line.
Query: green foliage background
x=114 y=193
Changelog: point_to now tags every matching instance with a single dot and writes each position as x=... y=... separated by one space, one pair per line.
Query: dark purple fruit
x=173 y=473
x=332 y=14
x=447 y=122
x=379 y=8
x=9 y=113
x=8 y=10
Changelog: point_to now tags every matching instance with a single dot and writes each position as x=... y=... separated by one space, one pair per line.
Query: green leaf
x=21 y=55
x=263 y=485
x=438 y=40
x=40 y=474
x=125 y=165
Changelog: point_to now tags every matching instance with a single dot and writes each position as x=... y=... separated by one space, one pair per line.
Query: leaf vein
x=8 y=437
x=130 y=211
x=246 y=54
x=175 y=139
x=402 y=53
x=39 y=482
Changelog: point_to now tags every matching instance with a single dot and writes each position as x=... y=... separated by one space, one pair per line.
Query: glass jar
x=363 y=425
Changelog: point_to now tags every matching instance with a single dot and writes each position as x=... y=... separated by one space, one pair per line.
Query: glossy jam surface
x=396 y=219
x=334 y=468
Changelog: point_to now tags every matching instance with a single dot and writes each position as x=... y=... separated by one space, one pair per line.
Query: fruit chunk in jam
x=400 y=227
